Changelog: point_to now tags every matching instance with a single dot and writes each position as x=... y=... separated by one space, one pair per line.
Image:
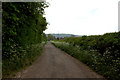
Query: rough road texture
x=54 y=63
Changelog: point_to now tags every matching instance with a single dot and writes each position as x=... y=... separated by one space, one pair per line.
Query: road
x=54 y=63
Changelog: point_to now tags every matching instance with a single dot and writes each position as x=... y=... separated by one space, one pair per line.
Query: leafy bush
x=108 y=42
x=19 y=61
x=100 y=52
x=22 y=27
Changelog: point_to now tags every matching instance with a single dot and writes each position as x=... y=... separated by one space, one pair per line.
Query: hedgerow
x=22 y=26
x=100 y=52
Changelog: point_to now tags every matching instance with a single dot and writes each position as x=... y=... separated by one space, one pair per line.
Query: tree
x=22 y=25
x=50 y=37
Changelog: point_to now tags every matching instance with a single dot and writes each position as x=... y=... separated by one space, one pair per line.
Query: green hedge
x=103 y=65
x=19 y=61
x=100 y=52
x=22 y=27
x=109 y=42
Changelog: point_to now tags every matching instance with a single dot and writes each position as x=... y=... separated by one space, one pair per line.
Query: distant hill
x=63 y=35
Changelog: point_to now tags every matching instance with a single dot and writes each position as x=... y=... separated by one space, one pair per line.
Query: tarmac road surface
x=54 y=63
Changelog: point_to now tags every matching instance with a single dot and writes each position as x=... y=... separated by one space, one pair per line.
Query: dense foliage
x=22 y=27
x=23 y=24
x=50 y=37
x=100 y=52
x=109 y=42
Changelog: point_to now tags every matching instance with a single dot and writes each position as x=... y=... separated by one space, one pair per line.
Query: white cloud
x=82 y=17
x=93 y=11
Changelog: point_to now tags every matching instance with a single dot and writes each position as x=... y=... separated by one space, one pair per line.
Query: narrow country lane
x=54 y=63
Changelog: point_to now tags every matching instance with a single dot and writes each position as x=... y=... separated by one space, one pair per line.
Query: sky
x=82 y=17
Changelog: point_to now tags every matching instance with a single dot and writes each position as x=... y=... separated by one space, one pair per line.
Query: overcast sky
x=82 y=17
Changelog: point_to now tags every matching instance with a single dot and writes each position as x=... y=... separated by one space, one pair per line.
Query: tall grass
x=102 y=64
x=19 y=62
